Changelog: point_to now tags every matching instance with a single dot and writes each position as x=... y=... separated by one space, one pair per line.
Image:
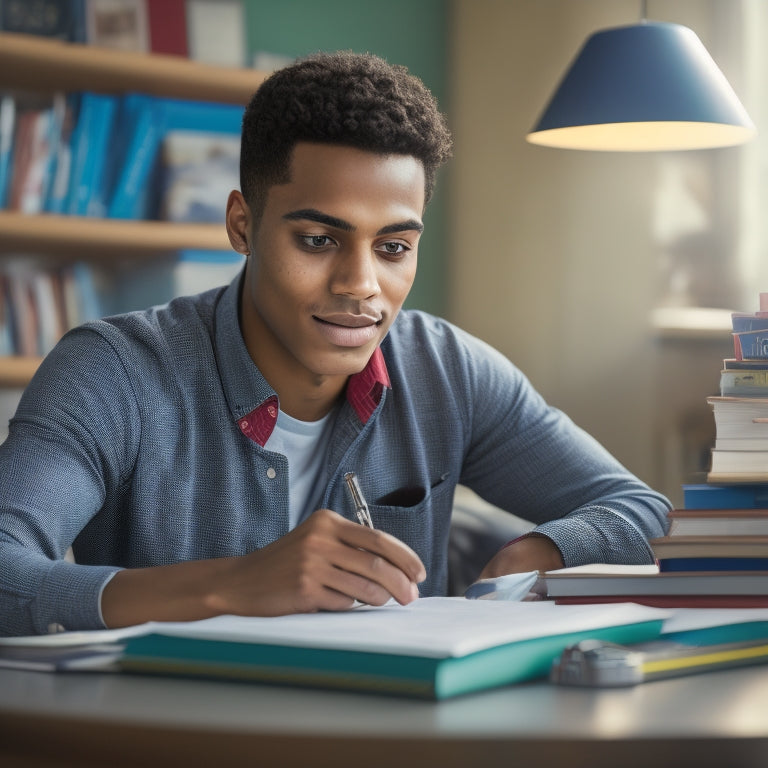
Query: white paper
x=432 y=627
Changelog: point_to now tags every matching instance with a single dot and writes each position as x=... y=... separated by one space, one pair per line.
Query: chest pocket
x=421 y=518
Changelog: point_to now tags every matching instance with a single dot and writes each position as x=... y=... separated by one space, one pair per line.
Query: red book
x=168 y=26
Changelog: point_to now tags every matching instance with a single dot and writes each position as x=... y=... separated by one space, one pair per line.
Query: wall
x=557 y=257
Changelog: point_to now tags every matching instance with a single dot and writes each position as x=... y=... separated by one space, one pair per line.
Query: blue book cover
x=90 y=149
x=741 y=323
x=7 y=124
x=672 y=564
x=57 y=190
x=60 y=19
x=159 y=116
x=738 y=496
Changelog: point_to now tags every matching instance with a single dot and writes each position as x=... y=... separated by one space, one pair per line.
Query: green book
x=434 y=648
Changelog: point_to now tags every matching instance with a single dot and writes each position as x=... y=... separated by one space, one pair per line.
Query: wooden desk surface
x=93 y=719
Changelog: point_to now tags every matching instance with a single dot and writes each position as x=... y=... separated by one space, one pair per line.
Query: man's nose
x=355 y=274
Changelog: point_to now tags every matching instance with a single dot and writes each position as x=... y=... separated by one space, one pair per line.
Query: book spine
x=714 y=496
x=678 y=564
x=60 y=19
x=168 y=26
x=7 y=125
x=129 y=193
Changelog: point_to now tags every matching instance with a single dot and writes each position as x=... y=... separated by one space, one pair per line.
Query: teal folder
x=412 y=668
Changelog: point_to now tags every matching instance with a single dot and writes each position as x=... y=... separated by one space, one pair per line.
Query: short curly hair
x=351 y=99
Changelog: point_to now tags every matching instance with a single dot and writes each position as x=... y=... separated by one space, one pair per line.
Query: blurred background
x=608 y=278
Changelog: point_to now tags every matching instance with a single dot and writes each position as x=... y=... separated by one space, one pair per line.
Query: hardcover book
x=718 y=522
x=723 y=496
x=433 y=648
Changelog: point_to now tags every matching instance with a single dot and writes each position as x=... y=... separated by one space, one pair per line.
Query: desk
x=85 y=720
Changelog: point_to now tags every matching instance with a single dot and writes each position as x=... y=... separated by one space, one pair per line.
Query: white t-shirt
x=305 y=444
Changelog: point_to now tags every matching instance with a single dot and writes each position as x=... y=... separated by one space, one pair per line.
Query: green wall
x=409 y=32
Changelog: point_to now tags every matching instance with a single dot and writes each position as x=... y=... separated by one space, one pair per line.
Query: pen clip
x=358 y=500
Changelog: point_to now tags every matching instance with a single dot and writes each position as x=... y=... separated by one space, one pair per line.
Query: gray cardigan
x=128 y=446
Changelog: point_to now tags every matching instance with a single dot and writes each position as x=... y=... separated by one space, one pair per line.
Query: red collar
x=363 y=394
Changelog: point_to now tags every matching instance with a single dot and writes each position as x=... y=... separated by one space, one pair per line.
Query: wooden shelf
x=17 y=371
x=38 y=63
x=103 y=238
x=44 y=65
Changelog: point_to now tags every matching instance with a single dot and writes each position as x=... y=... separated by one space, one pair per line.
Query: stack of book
x=740 y=453
x=715 y=552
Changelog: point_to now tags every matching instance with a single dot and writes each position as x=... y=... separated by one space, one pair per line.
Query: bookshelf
x=45 y=65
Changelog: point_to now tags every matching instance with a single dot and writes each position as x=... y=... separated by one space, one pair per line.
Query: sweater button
x=271 y=474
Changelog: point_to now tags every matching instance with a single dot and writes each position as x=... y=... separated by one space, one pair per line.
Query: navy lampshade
x=648 y=86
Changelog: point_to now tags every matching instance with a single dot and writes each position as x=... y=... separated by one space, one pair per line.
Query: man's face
x=332 y=261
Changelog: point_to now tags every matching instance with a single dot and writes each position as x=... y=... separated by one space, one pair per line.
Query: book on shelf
x=93 y=154
x=187 y=272
x=60 y=163
x=199 y=170
x=7 y=124
x=154 y=119
x=433 y=648
x=717 y=522
x=167 y=20
x=88 y=181
x=39 y=304
x=121 y=24
x=30 y=146
x=216 y=32
x=59 y=19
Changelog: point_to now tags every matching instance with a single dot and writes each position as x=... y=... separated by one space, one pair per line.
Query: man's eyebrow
x=312 y=214
x=412 y=225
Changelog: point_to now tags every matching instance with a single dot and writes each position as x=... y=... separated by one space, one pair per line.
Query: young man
x=194 y=455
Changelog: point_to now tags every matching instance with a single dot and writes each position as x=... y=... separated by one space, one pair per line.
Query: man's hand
x=532 y=553
x=326 y=563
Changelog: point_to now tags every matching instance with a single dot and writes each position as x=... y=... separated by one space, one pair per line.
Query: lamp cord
x=643 y=10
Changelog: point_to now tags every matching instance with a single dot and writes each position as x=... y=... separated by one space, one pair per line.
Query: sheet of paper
x=433 y=627
x=513 y=586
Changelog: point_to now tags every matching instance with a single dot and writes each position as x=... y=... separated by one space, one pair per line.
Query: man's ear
x=238 y=222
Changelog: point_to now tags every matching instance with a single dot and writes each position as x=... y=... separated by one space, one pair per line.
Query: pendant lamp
x=643 y=87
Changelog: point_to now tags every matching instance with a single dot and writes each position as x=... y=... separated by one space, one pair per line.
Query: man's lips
x=347 y=330
x=349 y=320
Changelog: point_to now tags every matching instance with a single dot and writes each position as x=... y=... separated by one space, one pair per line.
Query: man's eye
x=392 y=249
x=316 y=241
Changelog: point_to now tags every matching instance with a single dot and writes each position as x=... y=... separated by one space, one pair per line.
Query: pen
x=361 y=506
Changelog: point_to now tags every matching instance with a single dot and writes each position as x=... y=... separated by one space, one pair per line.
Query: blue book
x=737 y=496
x=130 y=197
x=59 y=19
x=57 y=190
x=741 y=323
x=90 y=148
x=7 y=125
x=671 y=564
